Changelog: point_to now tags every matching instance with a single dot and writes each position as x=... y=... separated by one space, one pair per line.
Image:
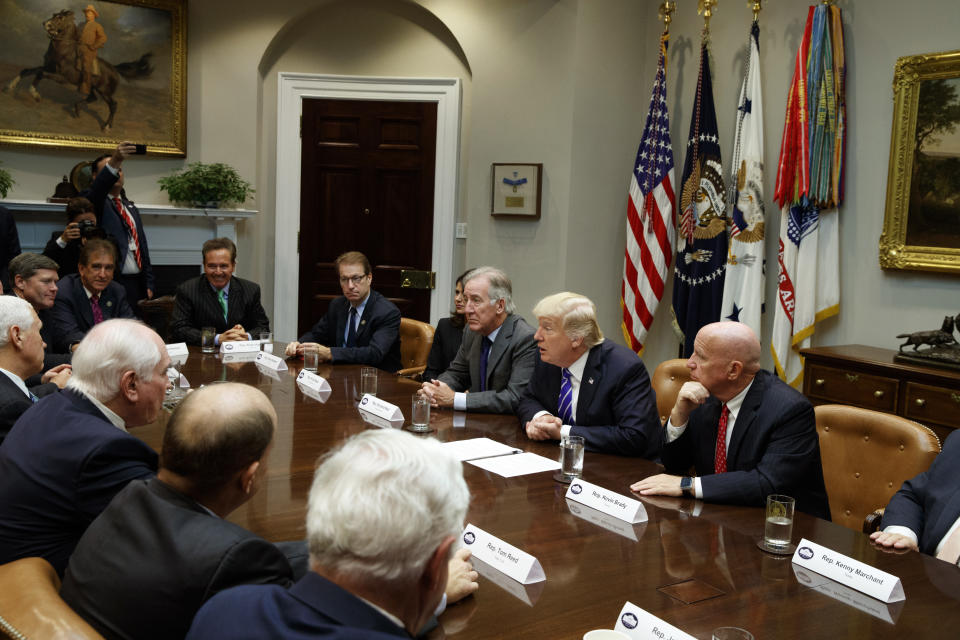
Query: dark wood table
x=591 y=568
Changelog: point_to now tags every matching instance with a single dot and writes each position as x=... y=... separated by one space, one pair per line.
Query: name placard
x=608 y=522
x=312 y=381
x=177 y=349
x=381 y=409
x=642 y=625
x=271 y=361
x=517 y=564
x=614 y=504
x=871 y=606
x=240 y=346
x=849 y=572
x=248 y=356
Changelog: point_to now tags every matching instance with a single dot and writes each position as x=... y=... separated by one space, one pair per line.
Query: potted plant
x=206 y=186
x=6 y=182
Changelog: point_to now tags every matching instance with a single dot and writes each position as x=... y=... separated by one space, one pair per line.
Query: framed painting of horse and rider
x=82 y=75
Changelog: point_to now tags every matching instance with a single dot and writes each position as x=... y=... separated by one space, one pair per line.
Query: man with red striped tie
x=746 y=432
x=119 y=218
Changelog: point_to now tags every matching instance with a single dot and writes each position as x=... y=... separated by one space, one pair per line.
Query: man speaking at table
x=360 y=327
x=377 y=572
x=217 y=299
x=497 y=353
x=747 y=433
x=586 y=386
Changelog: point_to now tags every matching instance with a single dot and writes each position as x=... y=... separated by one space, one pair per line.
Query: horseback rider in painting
x=91 y=39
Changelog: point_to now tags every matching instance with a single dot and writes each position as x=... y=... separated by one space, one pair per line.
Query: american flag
x=650 y=222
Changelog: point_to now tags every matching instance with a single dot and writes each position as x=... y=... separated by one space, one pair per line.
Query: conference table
x=694 y=565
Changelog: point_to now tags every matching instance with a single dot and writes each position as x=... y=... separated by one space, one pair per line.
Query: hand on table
x=439 y=393
x=662 y=484
x=461 y=578
x=894 y=542
x=234 y=334
x=544 y=427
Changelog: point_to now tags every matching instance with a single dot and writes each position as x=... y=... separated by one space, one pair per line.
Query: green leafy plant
x=6 y=182
x=206 y=185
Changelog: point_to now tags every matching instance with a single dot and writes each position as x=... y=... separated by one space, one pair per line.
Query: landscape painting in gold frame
x=79 y=79
x=921 y=226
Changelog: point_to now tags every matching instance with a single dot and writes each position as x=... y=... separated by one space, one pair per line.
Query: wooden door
x=367 y=181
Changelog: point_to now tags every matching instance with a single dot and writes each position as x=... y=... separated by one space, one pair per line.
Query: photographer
x=64 y=248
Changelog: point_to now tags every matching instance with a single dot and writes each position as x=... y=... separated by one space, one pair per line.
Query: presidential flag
x=702 y=234
x=650 y=222
x=744 y=282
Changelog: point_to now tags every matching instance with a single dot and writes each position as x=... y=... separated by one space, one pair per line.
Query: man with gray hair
x=497 y=352
x=384 y=515
x=21 y=356
x=586 y=386
x=67 y=456
x=34 y=278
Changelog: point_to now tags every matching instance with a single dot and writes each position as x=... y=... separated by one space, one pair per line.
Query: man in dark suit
x=89 y=297
x=496 y=356
x=747 y=433
x=69 y=454
x=34 y=279
x=217 y=299
x=163 y=546
x=585 y=386
x=21 y=356
x=924 y=515
x=375 y=573
x=361 y=327
x=9 y=245
x=121 y=220
x=63 y=247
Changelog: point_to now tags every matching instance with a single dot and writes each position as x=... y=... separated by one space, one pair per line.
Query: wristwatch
x=686 y=486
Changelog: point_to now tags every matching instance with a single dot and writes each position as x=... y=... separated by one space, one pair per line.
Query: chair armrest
x=871 y=523
x=412 y=372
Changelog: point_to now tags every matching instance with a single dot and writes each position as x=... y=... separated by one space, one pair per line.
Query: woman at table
x=446 y=339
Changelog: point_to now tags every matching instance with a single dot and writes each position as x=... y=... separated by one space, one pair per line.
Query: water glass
x=208 y=337
x=571 y=457
x=419 y=413
x=779 y=521
x=368 y=381
x=266 y=341
x=311 y=358
x=731 y=633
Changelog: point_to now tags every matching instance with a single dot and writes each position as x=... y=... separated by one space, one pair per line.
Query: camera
x=89 y=229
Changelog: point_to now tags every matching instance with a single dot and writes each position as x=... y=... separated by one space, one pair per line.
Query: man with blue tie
x=584 y=385
x=217 y=299
x=361 y=327
x=497 y=352
x=21 y=356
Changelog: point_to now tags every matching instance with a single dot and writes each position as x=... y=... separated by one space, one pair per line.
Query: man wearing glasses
x=361 y=327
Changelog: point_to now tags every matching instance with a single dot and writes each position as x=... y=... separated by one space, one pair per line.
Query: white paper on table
x=517 y=465
x=476 y=448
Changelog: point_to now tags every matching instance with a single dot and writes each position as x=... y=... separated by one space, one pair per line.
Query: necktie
x=352 y=328
x=484 y=356
x=223 y=303
x=95 y=308
x=565 y=404
x=33 y=397
x=950 y=551
x=131 y=228
x=720 y=458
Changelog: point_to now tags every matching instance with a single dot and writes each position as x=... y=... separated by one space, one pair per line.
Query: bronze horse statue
x=60 y=64
x=941 y=336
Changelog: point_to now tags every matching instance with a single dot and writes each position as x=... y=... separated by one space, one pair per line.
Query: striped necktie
x=720 y=457
x=223 y=303
x=131 y=229
x=95 y=309
x=565 y=404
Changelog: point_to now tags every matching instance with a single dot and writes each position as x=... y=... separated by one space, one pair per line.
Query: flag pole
x=665 y=14
x=755 y=6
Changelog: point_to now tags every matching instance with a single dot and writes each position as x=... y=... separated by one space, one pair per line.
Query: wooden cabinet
x=869 y=377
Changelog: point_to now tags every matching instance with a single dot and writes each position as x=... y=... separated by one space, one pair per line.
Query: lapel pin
x=363 y=322
x=589 y=380
x=109 y=303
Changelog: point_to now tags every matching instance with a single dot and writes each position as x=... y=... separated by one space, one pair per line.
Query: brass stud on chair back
x=668 y=377
x=416 y=338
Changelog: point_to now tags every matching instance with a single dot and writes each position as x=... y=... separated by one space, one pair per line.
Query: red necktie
x=131 y=227
x=97 y=311
x=720 y=457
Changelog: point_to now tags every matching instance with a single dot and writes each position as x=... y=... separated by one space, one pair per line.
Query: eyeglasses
x=353 y=279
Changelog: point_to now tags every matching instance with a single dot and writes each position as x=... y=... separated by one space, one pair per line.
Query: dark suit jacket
x=378 y=335
x=154 y=556
x=509 y=367
x=9 y=245
x=616 y=407
x=109 y=218
x=71 y=316
x=13 y=401
x=774 y=449
x=61 y=464
x=66 y=257
x=312 y=608
x=929 y=504
x=197 y=307
x=446 y=343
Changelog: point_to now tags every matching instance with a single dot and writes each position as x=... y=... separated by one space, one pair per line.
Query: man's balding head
x=726 y=357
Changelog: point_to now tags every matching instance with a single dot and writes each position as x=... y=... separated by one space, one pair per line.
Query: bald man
x=747 y=433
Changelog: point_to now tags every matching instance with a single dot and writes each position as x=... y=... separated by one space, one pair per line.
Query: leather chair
x=157 y=314
x=866 y=456
x=31 y=607
x=668 y=377
x=416 y=338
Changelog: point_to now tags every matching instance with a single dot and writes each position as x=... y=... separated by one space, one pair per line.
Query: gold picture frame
x=140 y=67
x=921 y=225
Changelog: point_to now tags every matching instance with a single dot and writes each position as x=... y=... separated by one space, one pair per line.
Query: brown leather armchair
x=31 y=607
x=157 y=314
x=866 y=456
x=668 y=377
x=416 y=338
